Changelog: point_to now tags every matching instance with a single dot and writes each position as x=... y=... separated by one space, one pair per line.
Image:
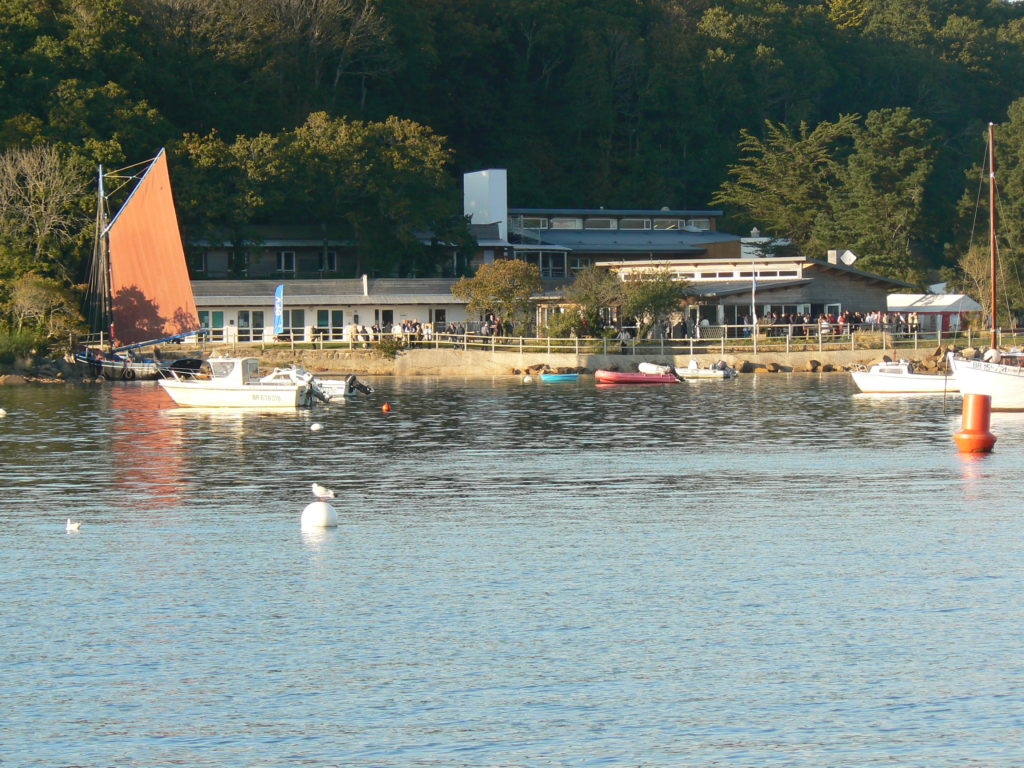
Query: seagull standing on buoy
x=73 y=526
x=322 y=493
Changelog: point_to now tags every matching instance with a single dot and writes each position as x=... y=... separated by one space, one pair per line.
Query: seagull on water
x=322 y=493
x=73 y=526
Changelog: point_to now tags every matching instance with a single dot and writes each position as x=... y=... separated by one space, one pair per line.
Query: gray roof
x=731 y=287
x=871 y=276
x=628 y=212
x=380 y=291
x=635 y=241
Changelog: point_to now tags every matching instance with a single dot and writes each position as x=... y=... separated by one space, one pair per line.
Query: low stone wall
x=454 y=362
x=485 y=363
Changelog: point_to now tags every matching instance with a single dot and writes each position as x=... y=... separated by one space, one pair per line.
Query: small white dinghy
x=719 y=370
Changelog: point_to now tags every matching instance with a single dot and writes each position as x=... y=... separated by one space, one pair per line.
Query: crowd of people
x=412 y=330
x=825 y=324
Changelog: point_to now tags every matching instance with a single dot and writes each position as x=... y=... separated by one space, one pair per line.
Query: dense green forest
x=846 y=123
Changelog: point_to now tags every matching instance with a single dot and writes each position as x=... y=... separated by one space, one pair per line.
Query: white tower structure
x=485 y=198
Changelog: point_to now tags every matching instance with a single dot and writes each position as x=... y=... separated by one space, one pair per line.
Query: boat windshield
x=221 y=368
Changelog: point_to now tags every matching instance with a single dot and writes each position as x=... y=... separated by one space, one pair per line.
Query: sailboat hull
x=1003 y=383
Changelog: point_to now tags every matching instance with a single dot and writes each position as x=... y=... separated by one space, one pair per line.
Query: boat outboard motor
x=318 y=392
x=355 y=385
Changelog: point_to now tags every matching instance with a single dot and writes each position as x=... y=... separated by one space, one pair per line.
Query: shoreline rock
x=448 y=362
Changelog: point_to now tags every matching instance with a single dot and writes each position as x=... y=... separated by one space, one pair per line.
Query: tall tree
x=876 y=206
x=41 y=193
x=783 y=182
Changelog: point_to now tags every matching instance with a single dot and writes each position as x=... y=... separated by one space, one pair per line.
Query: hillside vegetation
x=851 y=123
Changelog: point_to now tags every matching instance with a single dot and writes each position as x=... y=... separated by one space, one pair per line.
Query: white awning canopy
x=931 y=302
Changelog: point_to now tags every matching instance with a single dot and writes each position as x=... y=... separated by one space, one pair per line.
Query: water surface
x=771 y=571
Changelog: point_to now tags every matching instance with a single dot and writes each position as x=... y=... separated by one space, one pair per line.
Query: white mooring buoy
x=319 y=514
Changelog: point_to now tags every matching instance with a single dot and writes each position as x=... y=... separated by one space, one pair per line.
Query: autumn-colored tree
x=504 y=288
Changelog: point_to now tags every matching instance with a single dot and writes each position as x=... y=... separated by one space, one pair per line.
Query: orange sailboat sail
x=150 y=292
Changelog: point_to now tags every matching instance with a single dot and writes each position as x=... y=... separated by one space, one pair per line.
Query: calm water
x=766 y=572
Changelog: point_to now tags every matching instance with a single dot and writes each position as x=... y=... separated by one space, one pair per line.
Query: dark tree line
x=621 y=103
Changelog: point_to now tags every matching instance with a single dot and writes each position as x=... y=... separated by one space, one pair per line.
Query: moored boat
x=900 y=377
x=559 y=377
x=998 y=374
x=139 y=290
x=127 y=363
x=234 y=382
x=628 y=377
x=720 y=370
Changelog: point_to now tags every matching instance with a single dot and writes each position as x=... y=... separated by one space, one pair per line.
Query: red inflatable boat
x=623 y=377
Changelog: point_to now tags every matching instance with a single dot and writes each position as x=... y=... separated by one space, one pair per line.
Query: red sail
x=150 y=289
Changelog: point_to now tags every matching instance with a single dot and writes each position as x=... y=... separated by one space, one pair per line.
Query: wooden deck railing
x=720 y=339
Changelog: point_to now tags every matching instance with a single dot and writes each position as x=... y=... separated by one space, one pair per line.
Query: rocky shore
x=481 y=363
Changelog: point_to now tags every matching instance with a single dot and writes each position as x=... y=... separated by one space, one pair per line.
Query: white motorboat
x=234 y=382
x=900 y=377
x=324 y=389
x=720 y=370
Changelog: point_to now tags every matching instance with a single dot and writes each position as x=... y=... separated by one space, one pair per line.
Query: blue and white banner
x=279 y=310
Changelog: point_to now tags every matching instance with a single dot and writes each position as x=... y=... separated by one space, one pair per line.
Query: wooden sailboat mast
x=992 y=226
x=98 y=311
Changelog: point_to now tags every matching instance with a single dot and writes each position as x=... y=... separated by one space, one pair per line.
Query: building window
x=329 y=261
x=250 y=325
x=213 y=321
x=286 y=261
x=666 y=223
x=533 y=222
x=198 y=261
x=566 y=222
x=294 y=323
x=596 y=222
x=330 y=323
x=551 y=263
x=704 y=225
x=634 y=223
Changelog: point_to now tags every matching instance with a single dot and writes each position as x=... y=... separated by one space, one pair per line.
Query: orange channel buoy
x=386 y=407
x=975 y=437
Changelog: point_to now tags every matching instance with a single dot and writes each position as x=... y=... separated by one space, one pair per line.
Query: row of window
x=609 y=222
x=733 y=274
x=327 y=261
x=251 y=323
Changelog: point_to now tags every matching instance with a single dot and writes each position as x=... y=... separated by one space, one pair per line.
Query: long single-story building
x=243 y=310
